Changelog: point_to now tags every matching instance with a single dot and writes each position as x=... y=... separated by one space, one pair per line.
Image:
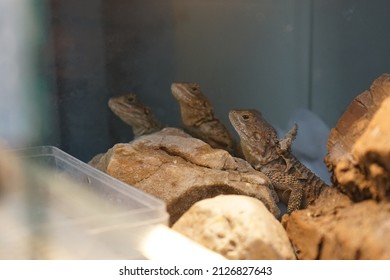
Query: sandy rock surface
x=238 y=227
x=182 y=170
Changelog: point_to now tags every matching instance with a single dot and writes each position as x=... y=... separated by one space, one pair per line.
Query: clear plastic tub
x=62 y=208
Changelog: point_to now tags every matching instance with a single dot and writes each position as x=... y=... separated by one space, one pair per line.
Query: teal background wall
x=272 y=55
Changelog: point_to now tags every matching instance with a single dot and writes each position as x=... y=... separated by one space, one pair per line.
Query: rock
x=237 y=227
x=97 y=163
x=336 y=228
x=353 y=123
x=181 y=170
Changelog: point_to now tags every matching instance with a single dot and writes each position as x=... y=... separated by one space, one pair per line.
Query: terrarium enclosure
x=318 y=63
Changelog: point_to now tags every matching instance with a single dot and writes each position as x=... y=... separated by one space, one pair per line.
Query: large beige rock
x=182 y=170
x=337 y=228
x=237 y=227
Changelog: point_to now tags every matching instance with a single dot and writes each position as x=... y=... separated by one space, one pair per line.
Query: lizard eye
x=245 y=117
x=130 y=98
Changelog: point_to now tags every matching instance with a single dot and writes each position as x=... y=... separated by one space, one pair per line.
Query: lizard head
x=189 y=94
x=130 y=110
x=259 y=140
x=195 y=108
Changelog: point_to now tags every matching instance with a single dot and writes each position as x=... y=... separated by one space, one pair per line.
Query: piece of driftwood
x=355 y=119
x=351 y=221
x=337 y=228
x=358 y=145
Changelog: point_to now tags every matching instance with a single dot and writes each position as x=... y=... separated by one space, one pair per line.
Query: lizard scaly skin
x=130 y=110
x=297 y=185
x=198 y=116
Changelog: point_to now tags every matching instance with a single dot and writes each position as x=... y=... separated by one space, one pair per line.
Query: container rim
x=141 y=197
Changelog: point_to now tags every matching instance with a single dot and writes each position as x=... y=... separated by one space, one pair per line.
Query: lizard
x=130 y=110
x=140 y=117
x=198 y=117
x=296 y=184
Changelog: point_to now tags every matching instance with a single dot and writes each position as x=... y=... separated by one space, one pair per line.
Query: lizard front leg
x=295 y=199
x=283 y=182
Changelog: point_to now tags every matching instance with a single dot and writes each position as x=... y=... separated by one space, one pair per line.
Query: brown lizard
x=296 y=184
x=130 y=110
x=198 y=116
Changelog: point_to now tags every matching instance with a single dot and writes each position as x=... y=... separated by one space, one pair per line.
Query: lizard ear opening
x=257 y=136
x=146 y=111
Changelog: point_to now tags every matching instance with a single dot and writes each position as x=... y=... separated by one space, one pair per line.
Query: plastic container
x=63 y=208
